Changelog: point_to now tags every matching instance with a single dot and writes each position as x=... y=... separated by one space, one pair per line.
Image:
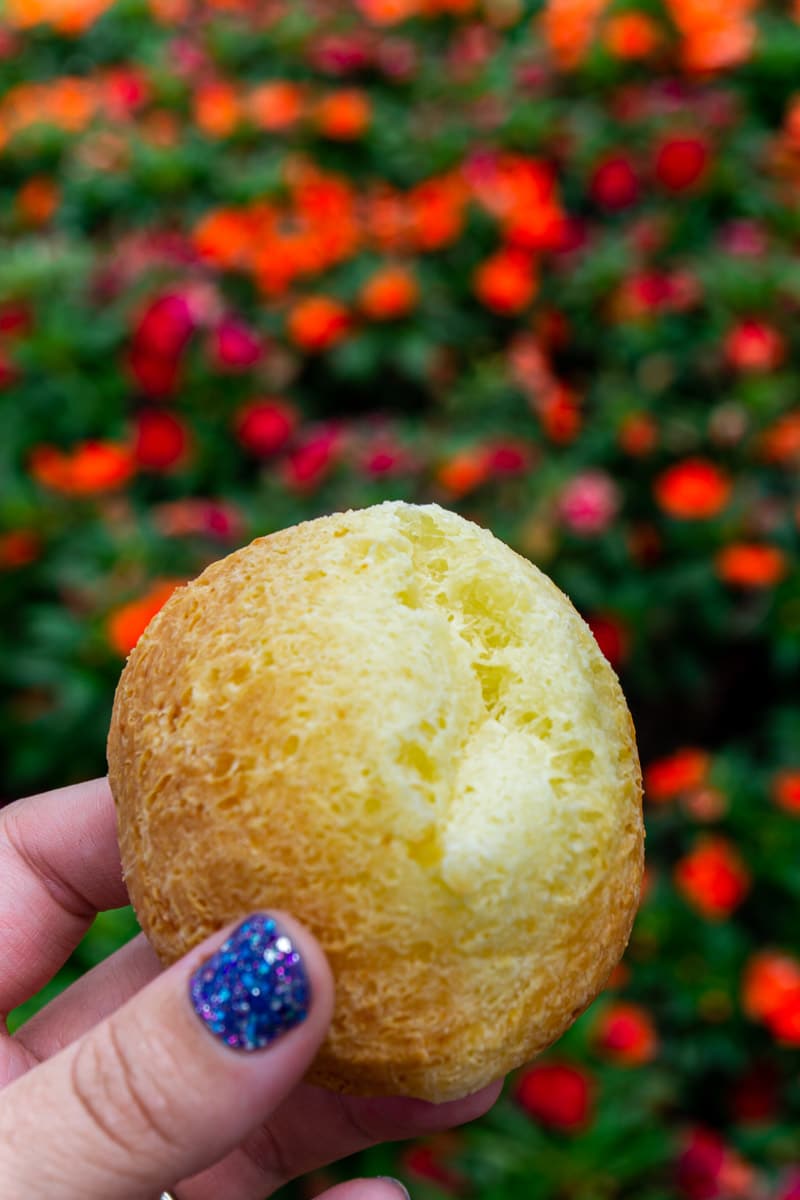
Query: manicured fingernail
x=396 y=1182
x=254 y=988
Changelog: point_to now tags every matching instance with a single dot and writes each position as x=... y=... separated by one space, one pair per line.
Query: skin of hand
x=121 y=1087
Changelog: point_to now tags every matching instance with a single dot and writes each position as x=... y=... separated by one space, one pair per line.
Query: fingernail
x=396 y=1182
x=254 y=988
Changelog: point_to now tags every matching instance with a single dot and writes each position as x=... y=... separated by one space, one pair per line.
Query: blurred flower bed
x=536 y=262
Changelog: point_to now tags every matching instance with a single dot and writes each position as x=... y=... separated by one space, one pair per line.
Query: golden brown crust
x=391 y=725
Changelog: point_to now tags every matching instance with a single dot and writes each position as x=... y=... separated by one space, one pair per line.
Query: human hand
x=118 y=1089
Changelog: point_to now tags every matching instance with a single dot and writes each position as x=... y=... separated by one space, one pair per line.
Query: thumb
x=177 y=1076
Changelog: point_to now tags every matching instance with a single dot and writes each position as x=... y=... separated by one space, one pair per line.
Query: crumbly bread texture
x=391 y=725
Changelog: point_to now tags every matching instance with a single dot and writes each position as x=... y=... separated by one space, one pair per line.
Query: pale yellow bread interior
x=391 y=725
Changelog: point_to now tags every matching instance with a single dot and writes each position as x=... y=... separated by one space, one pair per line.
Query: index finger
x=59 y=867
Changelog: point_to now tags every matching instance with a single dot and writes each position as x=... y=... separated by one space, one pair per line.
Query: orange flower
x=786 y=791
x=344 y=115
x=771 y=993
x=276 y=106
x=712 y=877
x=19 y=547
x=780 y=443
x=72 y=102
x=682 y=771
x=170 y=12
x=387 y=12
x=625 y=1033
x=693 y=490
x=37 y=200
x=749 y=565
x=463 y=472
x=715 y=35
x=521 y=193
x=68 y=16
x=390 y=293
x=126 y=624
x=386 y=218
x=506 y=283
x=93 y=466
x=317 y=323
x=632 y=35
x=569 y=26
x=226 y=237
x=436 y=211
x=217 y=110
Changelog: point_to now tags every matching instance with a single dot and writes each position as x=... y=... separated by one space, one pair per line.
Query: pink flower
x=235 y=346
x=745 y=239
x=589 y=502
x=311 y=461
x=700 y=1165
x=193 y=515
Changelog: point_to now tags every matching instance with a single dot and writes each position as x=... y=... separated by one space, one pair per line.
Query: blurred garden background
x=539 y=262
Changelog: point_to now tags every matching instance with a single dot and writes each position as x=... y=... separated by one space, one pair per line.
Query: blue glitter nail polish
x=254 y=988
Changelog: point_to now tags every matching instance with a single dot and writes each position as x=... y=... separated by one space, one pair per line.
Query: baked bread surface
x=391 y=725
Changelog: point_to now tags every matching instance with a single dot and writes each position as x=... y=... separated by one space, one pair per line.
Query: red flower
x=755 y=1094
x=786 y=791
x=428 y=1162
x=157 y=377
x=8 y=372
x=506 y=283
x=265 y=426
x=681 y=162
x=780 y=442
x=18 y=547
x=693 y=489
x=557 y=1095
x=507 y=458
x=317 y=323
x=160 y=439
x=560 y=414
x=126 y=624
x=614 y=184
x=754 y=346
x=164 y=327
x=712 y=877
x=15 y=320
x=625 y=1033
x=682 y=771
x=340 y=53
x=611 y=636
x=126 y=89
x=390 y=293
x=771 y=993
x=750 y=565
x=638 y=434
x=235 y=345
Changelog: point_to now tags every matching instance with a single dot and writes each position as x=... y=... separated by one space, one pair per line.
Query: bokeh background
x=539 y=262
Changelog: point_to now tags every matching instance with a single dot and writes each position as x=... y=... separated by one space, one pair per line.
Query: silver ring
x=167 y=1196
